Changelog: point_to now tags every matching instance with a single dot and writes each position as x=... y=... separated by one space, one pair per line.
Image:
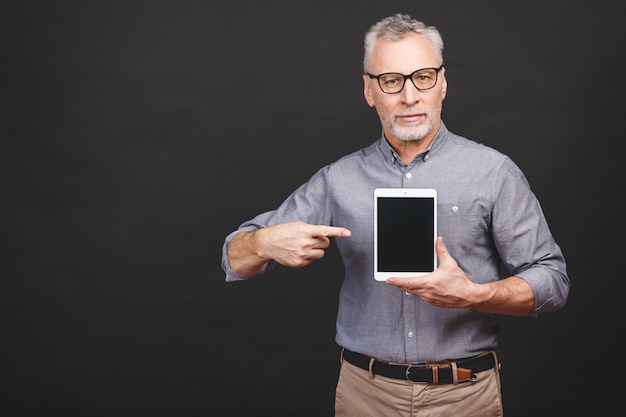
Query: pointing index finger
x=333 y=231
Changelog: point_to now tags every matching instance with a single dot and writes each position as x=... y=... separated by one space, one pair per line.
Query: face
x=410 y=115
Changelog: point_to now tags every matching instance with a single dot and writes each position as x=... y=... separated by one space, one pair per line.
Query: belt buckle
x=434 y=367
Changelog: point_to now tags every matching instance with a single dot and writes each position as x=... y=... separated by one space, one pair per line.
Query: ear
x=367 y=90
x=444 y=85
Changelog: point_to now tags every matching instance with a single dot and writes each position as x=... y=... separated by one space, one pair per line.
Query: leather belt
x=449 y=372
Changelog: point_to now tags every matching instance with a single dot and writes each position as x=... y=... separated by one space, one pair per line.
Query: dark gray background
x=138 y=134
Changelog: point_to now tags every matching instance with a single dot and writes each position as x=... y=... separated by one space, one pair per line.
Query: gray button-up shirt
x=487 y=215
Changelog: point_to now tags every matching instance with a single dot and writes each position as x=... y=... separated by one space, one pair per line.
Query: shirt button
x=407 y=293
x=409 y=175
x=455 y=209
x=410 y=334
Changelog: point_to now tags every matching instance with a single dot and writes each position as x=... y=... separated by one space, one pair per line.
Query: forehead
x=412 y=52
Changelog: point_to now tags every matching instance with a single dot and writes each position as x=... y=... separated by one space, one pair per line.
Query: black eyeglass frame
x=407 y=77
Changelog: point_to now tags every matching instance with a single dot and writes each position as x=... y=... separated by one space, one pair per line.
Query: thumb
x=442 y=251
x=441 y=247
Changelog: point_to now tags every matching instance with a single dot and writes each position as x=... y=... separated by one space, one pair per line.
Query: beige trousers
x=359 y=395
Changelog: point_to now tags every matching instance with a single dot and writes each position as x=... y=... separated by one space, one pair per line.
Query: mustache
x=411 y=111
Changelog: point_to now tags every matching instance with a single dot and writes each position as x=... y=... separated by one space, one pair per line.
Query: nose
x=410 y=94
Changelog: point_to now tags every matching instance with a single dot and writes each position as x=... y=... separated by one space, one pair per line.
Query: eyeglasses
x=393 y=82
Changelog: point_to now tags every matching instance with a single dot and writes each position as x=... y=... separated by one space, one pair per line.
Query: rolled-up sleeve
x=231 y=275
x=524 y=241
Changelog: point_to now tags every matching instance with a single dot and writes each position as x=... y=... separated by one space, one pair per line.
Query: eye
x=391 y=80
x=425 y=78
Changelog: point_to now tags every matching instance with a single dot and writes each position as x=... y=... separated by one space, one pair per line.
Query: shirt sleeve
x=524 y=241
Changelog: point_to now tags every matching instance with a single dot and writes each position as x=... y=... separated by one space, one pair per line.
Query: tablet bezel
x=429 y=193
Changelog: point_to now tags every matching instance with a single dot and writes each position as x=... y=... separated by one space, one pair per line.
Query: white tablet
x=405 y=231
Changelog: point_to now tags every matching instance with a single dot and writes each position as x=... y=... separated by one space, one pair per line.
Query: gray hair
x=394 y=28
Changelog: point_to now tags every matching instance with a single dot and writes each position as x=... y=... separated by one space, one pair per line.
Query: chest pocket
x=460 y=224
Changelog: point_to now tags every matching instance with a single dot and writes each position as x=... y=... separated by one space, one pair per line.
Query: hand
x=297 y=244
x=447 y=286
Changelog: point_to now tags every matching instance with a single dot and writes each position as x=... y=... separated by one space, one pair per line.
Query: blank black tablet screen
x=405 y=234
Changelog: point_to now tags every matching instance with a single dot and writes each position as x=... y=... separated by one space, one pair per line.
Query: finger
x=321 y=242
x=332 y=231
x=442 y=252
x=406 y=284
x=440 y=246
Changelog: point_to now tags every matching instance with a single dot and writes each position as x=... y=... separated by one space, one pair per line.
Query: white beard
x=412 y=133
